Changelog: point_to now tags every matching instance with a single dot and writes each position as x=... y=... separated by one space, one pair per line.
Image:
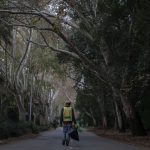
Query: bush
x=44 y=127
x=13 y=129
x=34 y=128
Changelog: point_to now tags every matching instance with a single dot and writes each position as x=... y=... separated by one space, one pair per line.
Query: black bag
x=73 y=133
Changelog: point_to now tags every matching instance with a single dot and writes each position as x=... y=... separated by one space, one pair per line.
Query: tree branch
x=16 y=12
x=25 y=56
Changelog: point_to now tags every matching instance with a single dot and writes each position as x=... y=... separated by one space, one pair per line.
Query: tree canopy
x=105 y=43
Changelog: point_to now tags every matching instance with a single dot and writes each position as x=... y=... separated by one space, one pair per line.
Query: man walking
x=67 y=119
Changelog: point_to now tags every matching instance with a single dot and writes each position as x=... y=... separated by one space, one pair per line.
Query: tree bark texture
x=131 y=113
x=133 y=117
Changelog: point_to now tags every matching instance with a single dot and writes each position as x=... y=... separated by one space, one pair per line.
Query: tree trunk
x=22 y=112
x=93 y=118
x=101 y=102
x=90 y=114
x=21 y=115
x=119 y=117
x=131 y=113
x=133 y=117
x=104 y=120
x=120 y=120
x=31 y=100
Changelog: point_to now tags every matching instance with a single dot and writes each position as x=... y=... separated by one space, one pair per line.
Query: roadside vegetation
x=103 y=46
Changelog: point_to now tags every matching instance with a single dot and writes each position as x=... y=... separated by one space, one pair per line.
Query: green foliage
x=34 y=128
x=5 y=29
x=13 y=129
x=86 y=103
x=122 y=29
x=44 y=59
x=8 y=106
x=5 y=33
x=144 y=108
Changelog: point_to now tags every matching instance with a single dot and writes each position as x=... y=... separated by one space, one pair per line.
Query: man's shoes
x=63 y=142
x=67 y=143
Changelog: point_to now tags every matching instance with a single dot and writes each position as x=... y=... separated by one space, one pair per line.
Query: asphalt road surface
x=52 y=140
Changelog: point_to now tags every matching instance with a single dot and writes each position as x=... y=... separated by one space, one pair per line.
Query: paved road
x=52 y=141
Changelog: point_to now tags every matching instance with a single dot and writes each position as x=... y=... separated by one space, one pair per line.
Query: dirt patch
x=123 y=137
